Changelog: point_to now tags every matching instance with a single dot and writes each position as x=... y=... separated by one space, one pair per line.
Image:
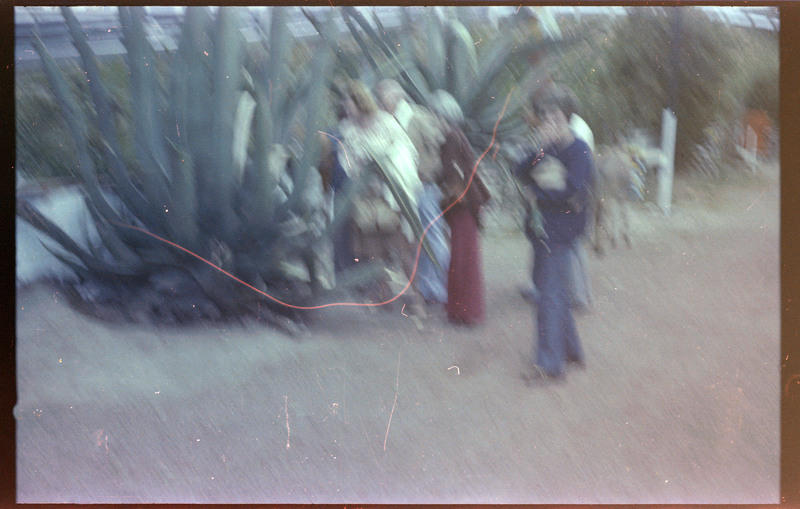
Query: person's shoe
x=529 y=293
x=581 y=304
x=577 y=363
x=467 y=323
x=581 y=308
x=533 y=375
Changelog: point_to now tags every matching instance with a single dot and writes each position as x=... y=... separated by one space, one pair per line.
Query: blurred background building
x=102 y=23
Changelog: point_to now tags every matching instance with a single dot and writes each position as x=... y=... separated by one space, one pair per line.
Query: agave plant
x=220 y=202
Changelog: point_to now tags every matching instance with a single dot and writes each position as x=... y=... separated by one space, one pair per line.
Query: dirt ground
x=679 y=401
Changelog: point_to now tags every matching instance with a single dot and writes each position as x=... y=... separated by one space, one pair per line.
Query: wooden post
x=666 y=168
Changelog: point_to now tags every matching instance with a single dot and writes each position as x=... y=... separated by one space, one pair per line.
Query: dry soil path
x=679 y=402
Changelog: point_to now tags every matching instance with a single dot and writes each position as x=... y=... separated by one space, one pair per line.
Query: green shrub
x=43 y=150
x=624 y=72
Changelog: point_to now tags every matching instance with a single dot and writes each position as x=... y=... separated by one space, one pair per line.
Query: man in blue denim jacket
x=559 y=175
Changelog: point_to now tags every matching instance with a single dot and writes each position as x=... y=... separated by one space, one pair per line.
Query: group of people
x=395 y=164
x=388 y=143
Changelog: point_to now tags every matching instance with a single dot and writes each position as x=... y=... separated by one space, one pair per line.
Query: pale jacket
x=385 y=142
x=427 y=133
x=580 y=129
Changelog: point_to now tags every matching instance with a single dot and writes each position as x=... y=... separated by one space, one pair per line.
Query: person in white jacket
x=427 y=133
x=379 y=231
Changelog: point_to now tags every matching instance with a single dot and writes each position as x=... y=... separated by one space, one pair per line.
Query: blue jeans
x=580 y=284
x=343 y=257
x=557 y=335
x=432 y=280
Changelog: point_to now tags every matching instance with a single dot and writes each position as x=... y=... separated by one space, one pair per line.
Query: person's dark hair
x=363 y=98
x=557 y=95
x=339 y=108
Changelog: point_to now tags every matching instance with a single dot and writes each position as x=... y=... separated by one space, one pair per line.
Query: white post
x=751 y=146
x=669 y=124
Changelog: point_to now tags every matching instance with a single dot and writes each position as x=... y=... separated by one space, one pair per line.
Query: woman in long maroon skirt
x=464 y=195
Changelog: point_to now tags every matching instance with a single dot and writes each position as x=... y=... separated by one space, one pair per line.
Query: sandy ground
x=679 y=402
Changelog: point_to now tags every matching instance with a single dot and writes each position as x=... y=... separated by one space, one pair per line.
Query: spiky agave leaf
x=311 y=145
x=259 y=86
x=462 y=61
x=293 y=108
x=30 y=214
x=118 y=248
x=434 y=54
x=149 y=143
x=277 y=74
x=164 y=154
x=347 y=63
x=78 y=128
x=280 y=177
x=192 y=97
x=500 y=56
x=487 y=118
x=242 y=128
x=411 y=87
x=79 y=132
x=396 y=66
x=130 y=195
x=310 y=104
x=78 y=268
x=183 y=189
x=260 y=179
x=189 y=116
x=406 y=53
x=217 y=181
x=359 y=40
